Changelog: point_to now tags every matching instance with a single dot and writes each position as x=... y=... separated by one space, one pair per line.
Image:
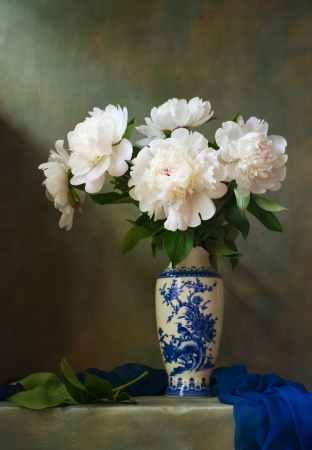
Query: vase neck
x=198 y=258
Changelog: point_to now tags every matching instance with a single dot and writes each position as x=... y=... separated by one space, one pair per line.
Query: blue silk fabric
x=270 y=413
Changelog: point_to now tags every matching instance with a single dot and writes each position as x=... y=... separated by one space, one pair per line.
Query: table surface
x=159 y=423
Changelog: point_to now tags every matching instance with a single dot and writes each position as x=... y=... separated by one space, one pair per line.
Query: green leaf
x=130 y=127
x=235 y=117
x=75 y=195
x=68 y=372
x=121 y=185
x=37 y=398
x=39 y=380
x=213 y=229
x=231 y=232
x=213 y=259
x=157 y=244
x=123 y=397
x=267 y=218
x=153 y=228
x=73 y=198
x=234 y=217
x=125 y=200
x=132 y=238
x=221 y=218
x=233 y=260
x=143 y=220
x=215 y=146
x=217 y=248
x=135 y=152
x=178 y=244
x=98 y=387
x=80 y=187
x=267 y=205
x=109 y=197
x=62 y=394
x=242 y=202
x=167 y=133
x=73 y=385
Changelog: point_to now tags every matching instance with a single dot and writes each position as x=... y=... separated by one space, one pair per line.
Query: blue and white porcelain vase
x=189 y=314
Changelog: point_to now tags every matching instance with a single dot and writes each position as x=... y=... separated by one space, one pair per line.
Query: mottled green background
x=72 y=293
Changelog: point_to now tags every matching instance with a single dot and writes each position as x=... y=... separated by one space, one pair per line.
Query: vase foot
x=186 y=393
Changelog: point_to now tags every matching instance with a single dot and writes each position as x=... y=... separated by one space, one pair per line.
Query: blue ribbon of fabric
x=270 y=413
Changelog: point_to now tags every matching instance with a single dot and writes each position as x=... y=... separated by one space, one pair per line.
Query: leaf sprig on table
x=45 y=390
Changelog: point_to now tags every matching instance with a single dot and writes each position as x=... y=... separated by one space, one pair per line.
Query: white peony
x=255 y=160
x=174 y=114
x=176 y=178
x=57 y=185
x=97 y=146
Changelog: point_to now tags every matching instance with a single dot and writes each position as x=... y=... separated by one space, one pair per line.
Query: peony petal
x=220 y=190
x=77 y=180
x=59 y=145
x=133 y=194
x=195 y=204
x=242 y=191
x=79 y=165
x=99 y=168
x=182 y=134
x=280 y=161
x=150 y=130
x=232 y=130
x=280 y=173
x=222 y=140
x=66 y=220
x=256 y=125
x=231 y=171
x=197 y=141
x=105 y=140
x=278 y=144
x=143 y=142
x=182 y=115
x=256 y=189
x=94 y=186
x=265 y=183
x=159 y=213
x=121 y=153
x=174 y=220
x=277 y=186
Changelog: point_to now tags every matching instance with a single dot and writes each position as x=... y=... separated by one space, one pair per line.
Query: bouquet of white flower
x=190 y=192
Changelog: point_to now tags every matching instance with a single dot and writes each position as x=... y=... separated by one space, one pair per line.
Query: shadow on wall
x=43 y=302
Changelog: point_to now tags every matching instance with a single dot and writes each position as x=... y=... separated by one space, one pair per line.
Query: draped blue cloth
x=270 y=413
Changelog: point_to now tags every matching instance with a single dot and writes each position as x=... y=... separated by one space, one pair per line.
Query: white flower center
x=255 y=156
x=176 y=171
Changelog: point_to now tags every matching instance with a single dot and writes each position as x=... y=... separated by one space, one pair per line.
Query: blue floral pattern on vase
x=190 y=346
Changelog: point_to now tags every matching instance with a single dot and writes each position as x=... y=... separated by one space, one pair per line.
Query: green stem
x=119 y=388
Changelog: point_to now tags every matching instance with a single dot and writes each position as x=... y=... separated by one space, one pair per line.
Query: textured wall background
x=73 y=294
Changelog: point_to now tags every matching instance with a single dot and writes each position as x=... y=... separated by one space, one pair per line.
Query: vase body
x=189 y=314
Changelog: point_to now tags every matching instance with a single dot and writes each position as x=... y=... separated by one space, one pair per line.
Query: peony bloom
x=97 y=146
x=255 y=160
x=57 y=185
x=174 y=114
x=176 y=178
